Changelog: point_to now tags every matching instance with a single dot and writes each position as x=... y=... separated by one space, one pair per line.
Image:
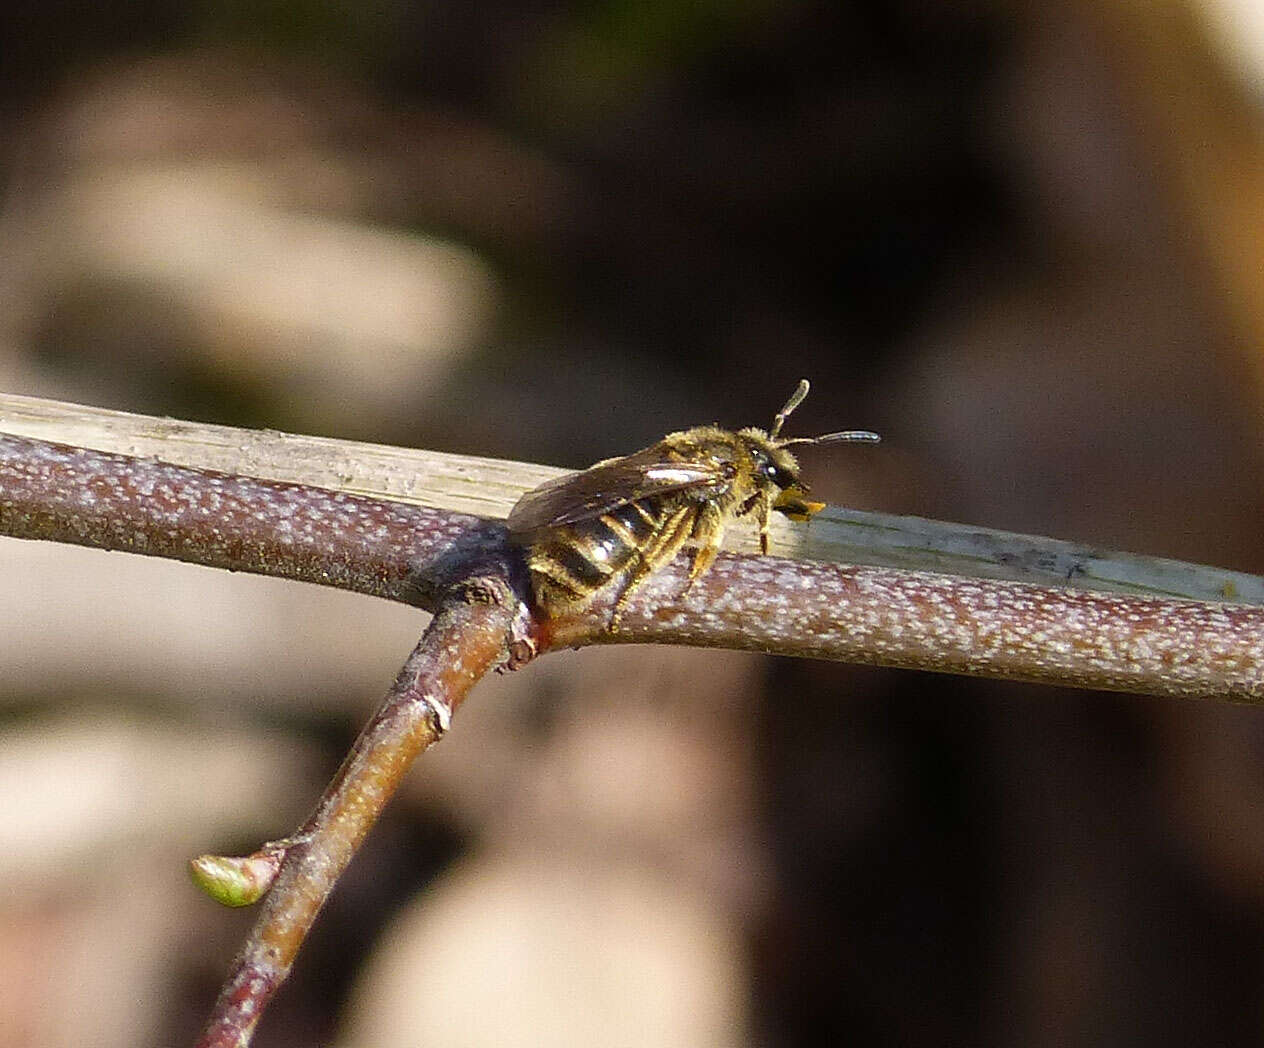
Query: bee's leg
x=765 y=507
x=664 y=544
x=708 y=530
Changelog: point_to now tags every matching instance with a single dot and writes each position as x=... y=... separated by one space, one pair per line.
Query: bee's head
x=774 y=465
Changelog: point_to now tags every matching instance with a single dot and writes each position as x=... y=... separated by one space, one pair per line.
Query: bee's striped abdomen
x=576 y=560
x=634 y=522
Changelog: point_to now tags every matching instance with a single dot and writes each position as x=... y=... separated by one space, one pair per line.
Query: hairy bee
x=617 y=522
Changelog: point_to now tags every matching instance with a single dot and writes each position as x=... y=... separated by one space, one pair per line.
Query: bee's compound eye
x=767 y=468
x=783 y=478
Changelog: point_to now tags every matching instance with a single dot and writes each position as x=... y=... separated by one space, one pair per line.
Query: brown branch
x=408 y=553
x=420 y=556
x=466 y=638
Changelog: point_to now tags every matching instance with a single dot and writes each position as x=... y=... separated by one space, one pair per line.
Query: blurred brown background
x=1024 y=241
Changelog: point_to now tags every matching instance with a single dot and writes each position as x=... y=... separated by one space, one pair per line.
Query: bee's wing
x=607 y=486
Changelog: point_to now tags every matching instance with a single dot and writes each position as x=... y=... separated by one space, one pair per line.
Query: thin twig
x=466 y=638
x=489 y=487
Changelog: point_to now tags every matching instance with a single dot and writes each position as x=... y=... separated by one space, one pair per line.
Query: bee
x=619 y=521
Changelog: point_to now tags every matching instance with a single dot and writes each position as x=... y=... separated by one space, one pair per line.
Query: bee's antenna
x=796 y=398
x=847 y=436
